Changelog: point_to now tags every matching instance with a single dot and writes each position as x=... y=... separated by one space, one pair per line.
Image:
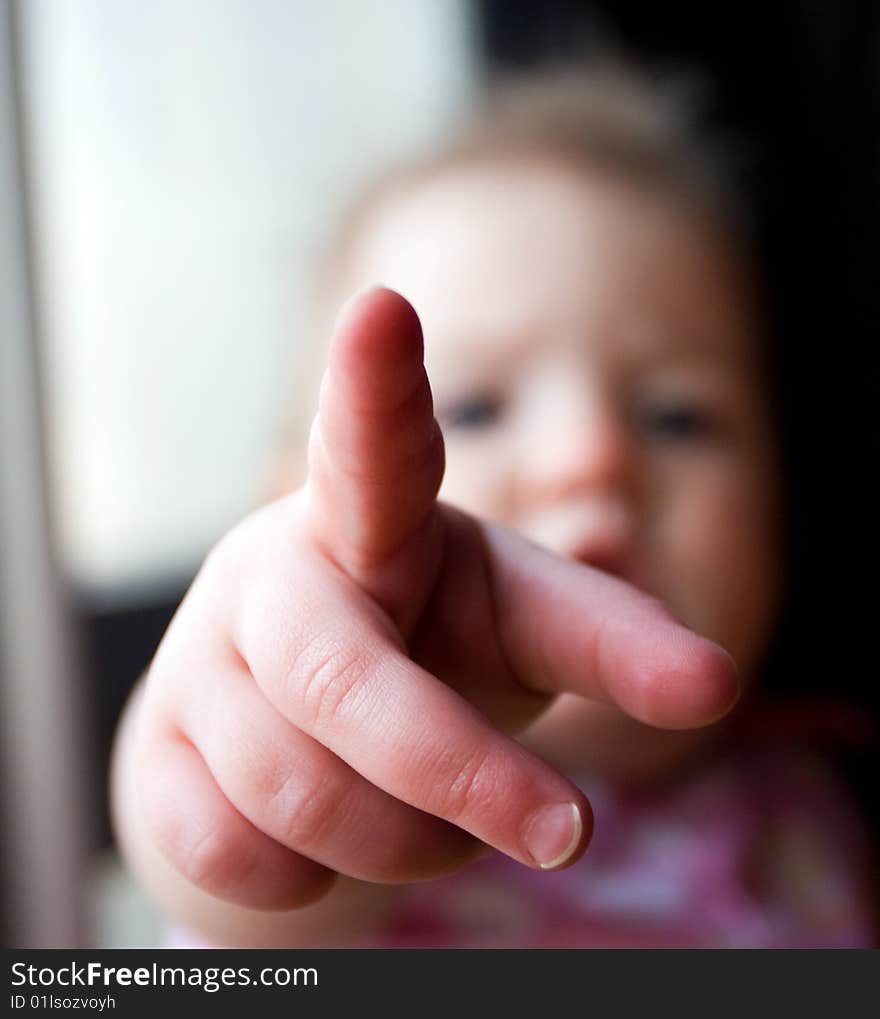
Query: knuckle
x=210 y=858
x=304 y=812
x=418 y=453
x=468 y=790
x=328 y=681
x=377 y=451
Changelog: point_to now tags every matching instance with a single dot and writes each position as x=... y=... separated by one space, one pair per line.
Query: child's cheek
x=714 y=558
x=477 y=479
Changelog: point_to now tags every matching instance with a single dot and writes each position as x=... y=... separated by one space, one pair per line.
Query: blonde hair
x=642 y=129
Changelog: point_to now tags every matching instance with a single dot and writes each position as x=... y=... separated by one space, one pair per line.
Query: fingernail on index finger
x=553 y=834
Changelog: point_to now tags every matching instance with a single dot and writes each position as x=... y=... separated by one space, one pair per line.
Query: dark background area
x=799 y=85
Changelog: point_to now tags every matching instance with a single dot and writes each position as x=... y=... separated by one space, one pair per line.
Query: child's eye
x=674 y=421
x=472 y=412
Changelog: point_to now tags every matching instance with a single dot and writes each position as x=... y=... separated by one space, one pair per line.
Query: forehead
x=496 y=254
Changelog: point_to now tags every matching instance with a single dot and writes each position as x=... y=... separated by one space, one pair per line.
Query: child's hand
x=335 y=691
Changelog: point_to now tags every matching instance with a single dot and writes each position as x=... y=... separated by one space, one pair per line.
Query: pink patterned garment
x=762 y=848
x=767 y=854
x=765 y=848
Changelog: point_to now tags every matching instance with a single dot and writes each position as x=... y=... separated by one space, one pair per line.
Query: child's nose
x=596 y=529
x=578 y=447
x=576 y=478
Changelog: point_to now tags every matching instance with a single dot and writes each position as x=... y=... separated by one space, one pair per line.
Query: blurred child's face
x=595 y=370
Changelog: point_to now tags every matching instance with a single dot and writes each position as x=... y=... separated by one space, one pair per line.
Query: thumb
x=376 y=455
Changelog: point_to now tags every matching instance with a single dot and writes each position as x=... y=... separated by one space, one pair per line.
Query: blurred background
x=167 y=174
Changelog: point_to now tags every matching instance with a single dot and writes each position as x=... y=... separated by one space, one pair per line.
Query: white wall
x=186 y=157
